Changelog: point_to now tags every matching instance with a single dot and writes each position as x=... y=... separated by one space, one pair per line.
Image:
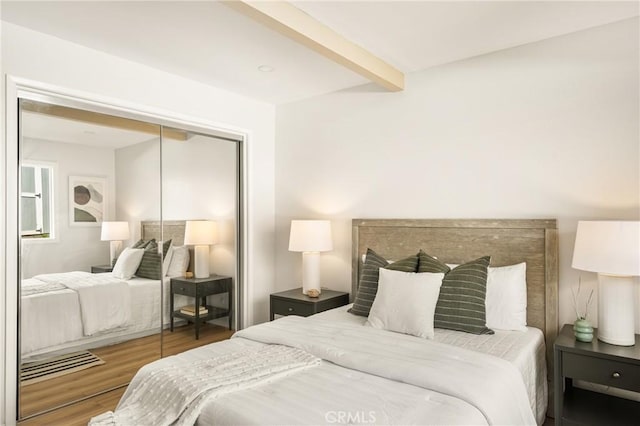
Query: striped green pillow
x=141 y=243
x=461 y=303
x=151 y=263
x=368 y=285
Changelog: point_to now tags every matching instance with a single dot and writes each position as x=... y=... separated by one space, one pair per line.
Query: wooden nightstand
x=293 y=302
x=101 y=269
x=595 y=362
x=199 y=289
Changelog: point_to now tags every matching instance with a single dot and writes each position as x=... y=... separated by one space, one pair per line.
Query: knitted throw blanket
x=175 y=394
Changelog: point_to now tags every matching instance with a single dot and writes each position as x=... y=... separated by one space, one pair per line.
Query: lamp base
x=310 y=271
x=114 y=248
x=616 y=321
x=201 y=262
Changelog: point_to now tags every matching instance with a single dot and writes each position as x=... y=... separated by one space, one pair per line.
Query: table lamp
x=310 y=237
x=115 y=232
x=612 y=249
x=201 y=234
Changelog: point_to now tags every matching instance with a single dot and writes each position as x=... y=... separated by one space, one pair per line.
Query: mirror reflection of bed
x=86 y=326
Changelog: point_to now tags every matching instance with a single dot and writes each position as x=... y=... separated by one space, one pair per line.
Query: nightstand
x=101 y=269
x=199 y=289
x=595 y=362
x=293 y=302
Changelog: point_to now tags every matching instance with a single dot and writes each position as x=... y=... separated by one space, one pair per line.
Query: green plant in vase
x=582 y=328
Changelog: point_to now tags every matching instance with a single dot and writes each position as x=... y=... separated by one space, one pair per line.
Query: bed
x=330 y=368
x=67 y=312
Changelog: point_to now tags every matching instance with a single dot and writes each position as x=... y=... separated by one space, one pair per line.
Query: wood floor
x=121 y=363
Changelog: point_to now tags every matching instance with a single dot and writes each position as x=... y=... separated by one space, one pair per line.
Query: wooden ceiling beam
x=297 y=25
x=99 y=119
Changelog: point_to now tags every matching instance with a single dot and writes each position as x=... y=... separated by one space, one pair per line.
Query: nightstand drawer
x=184 y=289
x=601 y=371
x=288 y=307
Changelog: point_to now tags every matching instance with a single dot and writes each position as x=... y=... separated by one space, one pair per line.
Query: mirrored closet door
x=84 y=329
x=118 y=218
x=200 y=193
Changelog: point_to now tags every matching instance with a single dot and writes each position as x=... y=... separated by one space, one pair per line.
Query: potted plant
x=582 y=328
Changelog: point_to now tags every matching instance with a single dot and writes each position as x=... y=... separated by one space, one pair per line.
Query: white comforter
x=149 y=400
x=489 y=383
x=105 y=302
x=452 y=385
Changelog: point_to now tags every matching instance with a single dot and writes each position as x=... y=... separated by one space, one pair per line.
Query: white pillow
x=166 y=262
x=406 y=302
x=127 y=263
x=506 y=301
x=179 y=262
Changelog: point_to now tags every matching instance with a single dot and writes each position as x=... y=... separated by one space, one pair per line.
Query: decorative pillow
x=431 y=264
x=368 y=285
x=406 y=302
x=166 y=261
x=461 y=304
x=165 y=248
x=179 y=262
x=127 y=263
x=506 y=302
x=140 y=244
x=151 y=264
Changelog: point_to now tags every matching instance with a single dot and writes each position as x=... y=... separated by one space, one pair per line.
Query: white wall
x=198 y=182
x=38 y=57
x=74 y=248
x=546 y=130
x=138 y=183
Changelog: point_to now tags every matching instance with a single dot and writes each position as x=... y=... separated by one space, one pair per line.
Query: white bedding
x=51 y=323
x=526 y=350
x=104 y=301
x=332 y=393
x=193 y=384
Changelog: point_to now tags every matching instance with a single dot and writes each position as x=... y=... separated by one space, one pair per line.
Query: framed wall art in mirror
x=87 y=200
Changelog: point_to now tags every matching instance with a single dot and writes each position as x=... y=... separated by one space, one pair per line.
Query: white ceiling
x=208 y=42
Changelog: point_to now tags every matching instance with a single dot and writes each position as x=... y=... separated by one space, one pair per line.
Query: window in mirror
x=36 y=199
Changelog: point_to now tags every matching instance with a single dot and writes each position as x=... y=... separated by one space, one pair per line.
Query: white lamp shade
x=608 y=247
x=310 y=235
x=200 y=232
x=114 y=231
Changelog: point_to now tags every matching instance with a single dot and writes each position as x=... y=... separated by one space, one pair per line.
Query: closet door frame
x=19 y=88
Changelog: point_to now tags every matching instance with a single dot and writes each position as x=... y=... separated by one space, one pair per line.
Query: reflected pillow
x=405 y=302
x=140 y=244
x=179 y=262
x=166 y=262
x=127 y=263
x=151 y=263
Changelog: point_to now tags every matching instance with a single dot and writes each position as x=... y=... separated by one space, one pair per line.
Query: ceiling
x=209 y=42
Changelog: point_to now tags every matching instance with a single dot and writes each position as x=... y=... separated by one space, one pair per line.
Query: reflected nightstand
x=100 y=269
x=199 y=289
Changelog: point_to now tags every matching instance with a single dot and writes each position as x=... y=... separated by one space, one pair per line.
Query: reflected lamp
x=115 y=233
x=201 y=234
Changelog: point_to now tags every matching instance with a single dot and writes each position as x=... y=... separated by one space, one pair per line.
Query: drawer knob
x=291 y=310
x=616 y=375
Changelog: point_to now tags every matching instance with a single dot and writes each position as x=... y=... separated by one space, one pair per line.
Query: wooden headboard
x=507 y=241
x=166 y=230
